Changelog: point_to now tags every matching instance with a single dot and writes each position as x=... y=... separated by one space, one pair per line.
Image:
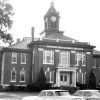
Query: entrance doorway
x=65 y=79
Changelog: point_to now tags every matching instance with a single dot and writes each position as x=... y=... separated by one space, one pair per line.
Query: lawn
x=16 y=95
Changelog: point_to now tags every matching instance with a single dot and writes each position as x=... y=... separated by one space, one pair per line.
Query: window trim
x=82 y=57
x=61 y=62
x=64 y=78
x=15 y=57
x=24 y=58
x=50 y=76
x=51 y=52
x=15 y=75
x=22 y=71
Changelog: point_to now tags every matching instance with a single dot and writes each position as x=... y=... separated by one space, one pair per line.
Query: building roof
x=96 y=52
x=21 y=44
x=59 y=36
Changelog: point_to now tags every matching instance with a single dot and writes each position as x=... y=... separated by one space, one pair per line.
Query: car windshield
x=78 y=93
x=91 y=93
x=62 y=93
x=87 y=93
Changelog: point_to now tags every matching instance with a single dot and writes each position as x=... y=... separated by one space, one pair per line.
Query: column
x=74 y=78
x=57 y=78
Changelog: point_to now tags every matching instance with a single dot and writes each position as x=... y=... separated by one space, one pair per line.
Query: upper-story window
x=48 y=57
x=80 y=58
x=64 y=58
x=14 y=57
x=13 y=75
x=96 y=62
x=23 y=58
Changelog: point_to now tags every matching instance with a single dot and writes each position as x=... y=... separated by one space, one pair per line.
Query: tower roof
x=51 y=10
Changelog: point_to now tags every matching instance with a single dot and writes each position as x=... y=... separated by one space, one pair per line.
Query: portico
x=65 y=76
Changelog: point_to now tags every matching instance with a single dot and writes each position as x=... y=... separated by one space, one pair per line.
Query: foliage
x=6 y=12
x=40 y=84
x=41 y=81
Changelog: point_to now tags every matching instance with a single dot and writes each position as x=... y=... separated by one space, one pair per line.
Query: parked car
x=53 y=95
x=88 y=94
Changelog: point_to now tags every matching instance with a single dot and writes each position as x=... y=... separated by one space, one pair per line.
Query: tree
x=42 y=77
x=6 y=12
x=41 y=81
x=92 y=80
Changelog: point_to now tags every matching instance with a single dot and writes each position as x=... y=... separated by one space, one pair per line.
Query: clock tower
x=51 y=19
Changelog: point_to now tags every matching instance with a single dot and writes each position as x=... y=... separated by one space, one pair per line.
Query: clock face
x=53 y=18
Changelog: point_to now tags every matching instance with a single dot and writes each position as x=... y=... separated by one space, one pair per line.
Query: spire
x=52 y=4
x=51 y=10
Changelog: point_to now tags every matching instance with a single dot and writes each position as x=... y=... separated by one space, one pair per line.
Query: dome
x=51 y=10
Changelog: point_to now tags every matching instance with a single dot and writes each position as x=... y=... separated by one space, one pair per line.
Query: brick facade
x=64 y=60
x=7 y=66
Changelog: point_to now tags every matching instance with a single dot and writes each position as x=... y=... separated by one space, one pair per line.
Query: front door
x=64 y=79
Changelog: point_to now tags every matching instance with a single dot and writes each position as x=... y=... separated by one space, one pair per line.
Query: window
x=64 y=58
x=42 y=94
x=13 y=75
x=22 y=76
x=48 y=57
x=63 y=78
x=49 y=76
x=14 y=57
x=80 y=59
x=49 y=93
x=83 y=59
x=77 y=76
x=23 y=58
x=84 y=75
x=94 y=62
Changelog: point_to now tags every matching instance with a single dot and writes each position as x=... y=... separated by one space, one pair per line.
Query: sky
x=80 y=19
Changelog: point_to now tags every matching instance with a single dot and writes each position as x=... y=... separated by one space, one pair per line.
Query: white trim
x=49 y=53
x=2 y=70
x=24 y=58
x=88 y=53
x=15 y=57
x=22 y=72
x=77 y=75
x=33 y=57
x=73 y=51
x=82 y=78
x=11 y=75
x=21 y=85
x=57 y=50
x=64 y=58
x=50 y=77
x=79 y=56
x=40 y=49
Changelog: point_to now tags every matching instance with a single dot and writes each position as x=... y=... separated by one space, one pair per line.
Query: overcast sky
x=80 y=19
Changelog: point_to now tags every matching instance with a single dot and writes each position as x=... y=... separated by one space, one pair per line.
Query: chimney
x=32 y=33
x=18 y=40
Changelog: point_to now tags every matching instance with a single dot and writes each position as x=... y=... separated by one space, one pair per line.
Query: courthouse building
x=64 y=60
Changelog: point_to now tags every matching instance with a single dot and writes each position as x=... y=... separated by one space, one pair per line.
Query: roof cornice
x=15 y=50
x=80 y=45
